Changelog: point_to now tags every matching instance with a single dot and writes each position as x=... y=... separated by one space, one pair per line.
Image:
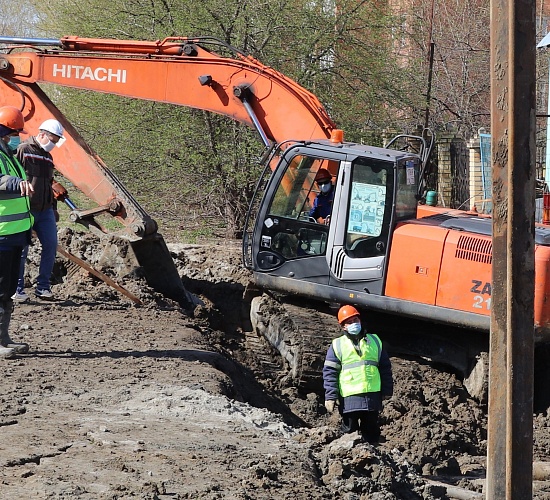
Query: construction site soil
x=117 y=400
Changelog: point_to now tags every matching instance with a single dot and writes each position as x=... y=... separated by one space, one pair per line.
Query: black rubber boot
x=6 y=343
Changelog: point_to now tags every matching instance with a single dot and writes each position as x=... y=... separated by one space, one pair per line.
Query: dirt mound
x=117 y=400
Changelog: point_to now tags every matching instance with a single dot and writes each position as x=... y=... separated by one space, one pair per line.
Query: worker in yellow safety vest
x=357 y=376
x=15 y=224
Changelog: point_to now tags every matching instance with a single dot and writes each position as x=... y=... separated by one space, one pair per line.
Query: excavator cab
x=374 y=190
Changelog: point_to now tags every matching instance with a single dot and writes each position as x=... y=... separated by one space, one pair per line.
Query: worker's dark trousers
x=10 y=260
x=5 y=317
x=364 y=421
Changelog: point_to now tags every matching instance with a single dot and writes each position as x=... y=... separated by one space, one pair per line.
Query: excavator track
x=299 y=332
x=301 y=335
x=266 y=357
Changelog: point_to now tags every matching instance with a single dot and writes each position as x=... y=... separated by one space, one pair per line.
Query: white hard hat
x=52 y=126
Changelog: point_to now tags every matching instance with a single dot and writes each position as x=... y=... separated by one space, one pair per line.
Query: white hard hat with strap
x=52 y=126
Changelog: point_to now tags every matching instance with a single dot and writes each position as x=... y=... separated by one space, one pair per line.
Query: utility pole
x=510 y=423
x=431 y=51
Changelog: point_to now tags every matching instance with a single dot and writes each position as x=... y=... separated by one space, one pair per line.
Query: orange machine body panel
x=415 y=261
x=452 y=269
x=542 y=288
x=428 y=211
x=465 y=281
x=465 y=276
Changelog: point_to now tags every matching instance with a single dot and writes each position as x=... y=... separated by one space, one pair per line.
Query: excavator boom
x=178 y=71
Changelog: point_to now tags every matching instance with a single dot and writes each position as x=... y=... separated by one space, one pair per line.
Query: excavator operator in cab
x=322 y=205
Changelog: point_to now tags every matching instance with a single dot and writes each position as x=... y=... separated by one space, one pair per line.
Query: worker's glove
x=329 y=405
x=59 y=191
x=327 y=220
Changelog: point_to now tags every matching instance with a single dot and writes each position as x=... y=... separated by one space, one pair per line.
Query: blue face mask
x=15 y=140
x=325 y=188
x=353 y=328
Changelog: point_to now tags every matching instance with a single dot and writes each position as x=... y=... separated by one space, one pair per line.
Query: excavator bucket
x=159 y=269
x=151 y=257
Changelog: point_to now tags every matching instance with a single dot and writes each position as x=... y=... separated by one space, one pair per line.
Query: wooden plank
x=98 y=274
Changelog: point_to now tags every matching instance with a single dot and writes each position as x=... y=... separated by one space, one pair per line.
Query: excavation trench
x=120 y=381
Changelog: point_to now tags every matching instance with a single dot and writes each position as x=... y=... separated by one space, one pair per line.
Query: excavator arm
x=178 y=70
x=175 y=70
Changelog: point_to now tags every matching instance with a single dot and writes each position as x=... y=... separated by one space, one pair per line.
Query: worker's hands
x=329 y=405
x=327 y=220
x=26 y=188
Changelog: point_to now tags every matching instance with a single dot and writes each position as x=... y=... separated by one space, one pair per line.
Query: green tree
x=18 y=19
x=342 y=53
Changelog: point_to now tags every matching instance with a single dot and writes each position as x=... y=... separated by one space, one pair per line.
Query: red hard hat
x=322 y=174
x=347 y=312
x=12 y=118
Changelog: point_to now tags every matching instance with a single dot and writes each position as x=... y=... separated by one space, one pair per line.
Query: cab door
x=363 y=217
x=375 y=195
x=287 y=241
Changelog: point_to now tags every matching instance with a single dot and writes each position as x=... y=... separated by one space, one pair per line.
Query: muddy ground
x=117 y=401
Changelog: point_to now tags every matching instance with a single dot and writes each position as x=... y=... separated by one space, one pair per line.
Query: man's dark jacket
x=40 y=169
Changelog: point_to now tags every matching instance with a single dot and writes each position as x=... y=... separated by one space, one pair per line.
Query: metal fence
x=485 y=205
x=460 y=167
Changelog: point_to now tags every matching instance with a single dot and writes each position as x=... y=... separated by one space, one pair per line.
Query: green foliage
x=189 y=168
x=17 y=18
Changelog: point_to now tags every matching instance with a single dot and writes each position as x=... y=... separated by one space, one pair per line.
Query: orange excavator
x=178 y=70
x=385 y=248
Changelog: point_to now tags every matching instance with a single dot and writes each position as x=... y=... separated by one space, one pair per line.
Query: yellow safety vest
x=15 y=216
x=359 y=373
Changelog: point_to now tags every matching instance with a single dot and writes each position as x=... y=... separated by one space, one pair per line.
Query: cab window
x=370 y=207
x=297 y=190
x=407 y=189
x=294 y=233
